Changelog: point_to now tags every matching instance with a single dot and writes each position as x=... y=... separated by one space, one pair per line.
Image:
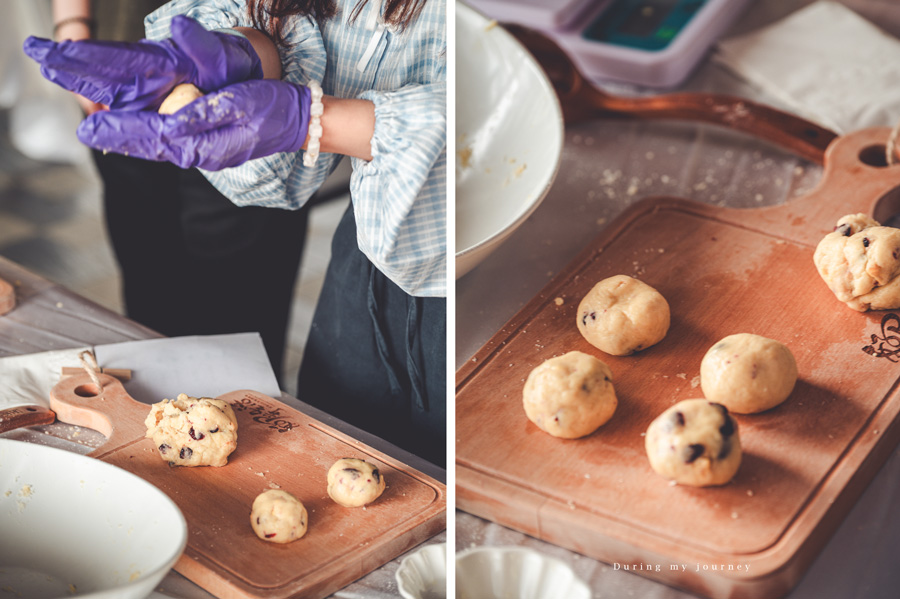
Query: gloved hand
x=135 y=76
x=219 y=130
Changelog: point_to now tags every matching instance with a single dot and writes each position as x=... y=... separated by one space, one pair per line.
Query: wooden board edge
x=439 y=487
x=774 y=571
x=325 y=581
x=564 y=526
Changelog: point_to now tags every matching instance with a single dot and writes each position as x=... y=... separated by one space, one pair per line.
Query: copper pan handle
x=581 y=100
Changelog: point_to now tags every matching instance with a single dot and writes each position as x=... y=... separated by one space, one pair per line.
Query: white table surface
x=606 y=166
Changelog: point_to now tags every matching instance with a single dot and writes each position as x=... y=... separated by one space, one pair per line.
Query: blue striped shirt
x=399 y=197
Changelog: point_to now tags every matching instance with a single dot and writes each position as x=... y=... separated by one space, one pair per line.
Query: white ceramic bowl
x=423 y=574
x=509 y=136
x=515 y=573
x=73 y=523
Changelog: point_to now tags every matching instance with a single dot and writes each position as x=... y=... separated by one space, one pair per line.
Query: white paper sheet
x=201 y=366
x=204 y=366
x=27 y=379
x=826 y=63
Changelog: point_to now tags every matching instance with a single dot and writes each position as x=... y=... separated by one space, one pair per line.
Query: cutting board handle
x=856 y=178
x=108 y=410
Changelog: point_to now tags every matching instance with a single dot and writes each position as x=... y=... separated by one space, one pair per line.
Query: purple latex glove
x=134 y=76
x=226 y=128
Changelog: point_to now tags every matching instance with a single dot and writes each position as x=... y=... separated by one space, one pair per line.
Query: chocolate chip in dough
x=353 y=472
x=694 y=451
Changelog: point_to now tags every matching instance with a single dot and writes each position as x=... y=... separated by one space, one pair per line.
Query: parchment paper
x=826 y=63
x=204 y=366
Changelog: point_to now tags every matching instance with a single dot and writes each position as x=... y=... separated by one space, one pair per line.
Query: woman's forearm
x=347 y=124
x=347 y=127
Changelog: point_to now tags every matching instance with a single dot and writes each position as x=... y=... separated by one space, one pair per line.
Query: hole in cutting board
x=874 y=156
x=887 y=208
x=88 y=390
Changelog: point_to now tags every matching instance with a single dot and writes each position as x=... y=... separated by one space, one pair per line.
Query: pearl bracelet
x=315 y=124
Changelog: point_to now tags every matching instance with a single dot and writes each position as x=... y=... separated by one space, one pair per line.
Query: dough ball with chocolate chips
x=278 y=517
x=191 y=431
x=570 y=396
x=354 y=483
x=694 y=443
x=622 y=315
x=860 y=263
x=748 y=373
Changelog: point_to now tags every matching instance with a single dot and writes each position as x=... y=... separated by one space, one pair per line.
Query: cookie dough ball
x=278 y=517
x=695 y=443
x=622 y=315
x=570 y=396
x=748 y=373
x=178 y=98
x=860 y=263
x=354 y=483
x=191 y=431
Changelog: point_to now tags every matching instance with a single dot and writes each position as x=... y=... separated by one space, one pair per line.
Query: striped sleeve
x=399 y=196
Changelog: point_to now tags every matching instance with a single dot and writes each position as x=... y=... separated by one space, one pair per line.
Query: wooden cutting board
x=278 y=447
x=723 y=271
x=7 y=297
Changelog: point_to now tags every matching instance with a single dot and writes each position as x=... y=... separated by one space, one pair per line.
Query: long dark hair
x=270 y=15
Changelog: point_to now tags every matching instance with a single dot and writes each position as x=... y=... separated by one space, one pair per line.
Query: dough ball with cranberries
x=354 y=483
x=278 y=517
x=570 y=396
x=192 y=431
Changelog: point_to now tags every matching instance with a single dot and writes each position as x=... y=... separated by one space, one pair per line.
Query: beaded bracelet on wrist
x=315 y=124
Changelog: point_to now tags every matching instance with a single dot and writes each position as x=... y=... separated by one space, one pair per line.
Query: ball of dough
x=695 y=443
x=354 y=483
x=748 y=373
x=179 y=97
x=191 y=431
x=570 y=396
x=622 y=315
x=860 y=263
x=278 y=517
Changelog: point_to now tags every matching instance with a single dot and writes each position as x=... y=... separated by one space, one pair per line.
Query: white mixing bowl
x=423 y=574
x=515 y=573
x=71 y=525
x=509 y=136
